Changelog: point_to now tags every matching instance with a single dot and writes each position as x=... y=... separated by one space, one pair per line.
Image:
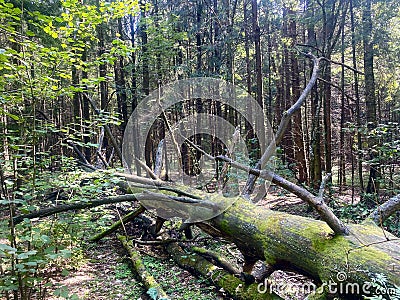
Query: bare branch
x=217 y=259
x=161 y=197
x=169 y=128
x=322 y=186
x=70 y=143
x=166 y=188
x=127 y=218
x=147 y=183
x=337 y=87
x=146 y=168
x=316 y=202
x=384 y=211
x=283 y=125
x=311 y=46
x=141 y=180
x=45 y=212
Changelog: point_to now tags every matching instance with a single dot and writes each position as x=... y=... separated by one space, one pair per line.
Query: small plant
x=63 y=292
x=122 y=271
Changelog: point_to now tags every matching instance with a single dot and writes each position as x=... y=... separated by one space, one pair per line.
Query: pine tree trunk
x=370 y=98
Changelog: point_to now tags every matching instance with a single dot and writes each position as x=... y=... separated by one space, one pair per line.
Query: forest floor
x=103 y=270
x=105 y=273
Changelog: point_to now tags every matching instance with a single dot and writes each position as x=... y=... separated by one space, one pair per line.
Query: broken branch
x=128 y=217
x=384 y=211
x=282 y=126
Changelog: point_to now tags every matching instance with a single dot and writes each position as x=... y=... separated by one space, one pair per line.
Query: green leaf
x=7 y=248
x=25 y=255
x=64 y=272
x=12 y=116
x=153 y=293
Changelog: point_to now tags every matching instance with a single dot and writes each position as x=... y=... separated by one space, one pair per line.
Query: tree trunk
x=315 y=134
x=346 y=264
x=120 y=83
x=342 y=152
x=297 y=125
x=370 y=98
x=357 y=97
x=286 y=82
x=258 y=66
x=86 y=111
x=145 y=54
x=308 y=246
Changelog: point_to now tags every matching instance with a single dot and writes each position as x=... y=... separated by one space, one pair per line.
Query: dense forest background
x=72 y=72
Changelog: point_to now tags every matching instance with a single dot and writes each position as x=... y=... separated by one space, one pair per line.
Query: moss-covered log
x=127 y=218
x=148 y=280
x=309 y=246
x=235 y=287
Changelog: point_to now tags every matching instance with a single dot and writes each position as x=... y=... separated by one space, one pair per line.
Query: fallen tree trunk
x=218 y=276
x=127 y=218
x=286 y=241
x=154 y=289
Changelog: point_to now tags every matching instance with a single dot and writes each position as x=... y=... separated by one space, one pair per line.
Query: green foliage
x=63 y=292
x=123 y=271
x=169 y=277
x=31 y=248
x=354 y=213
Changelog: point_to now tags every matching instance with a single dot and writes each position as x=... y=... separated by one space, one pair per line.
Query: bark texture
x=309 y=246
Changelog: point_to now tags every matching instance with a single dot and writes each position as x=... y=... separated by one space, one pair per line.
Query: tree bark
x=370 y=98
x=297 y=125
x=148 y=280
x=287 y=241
x=218 y=276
